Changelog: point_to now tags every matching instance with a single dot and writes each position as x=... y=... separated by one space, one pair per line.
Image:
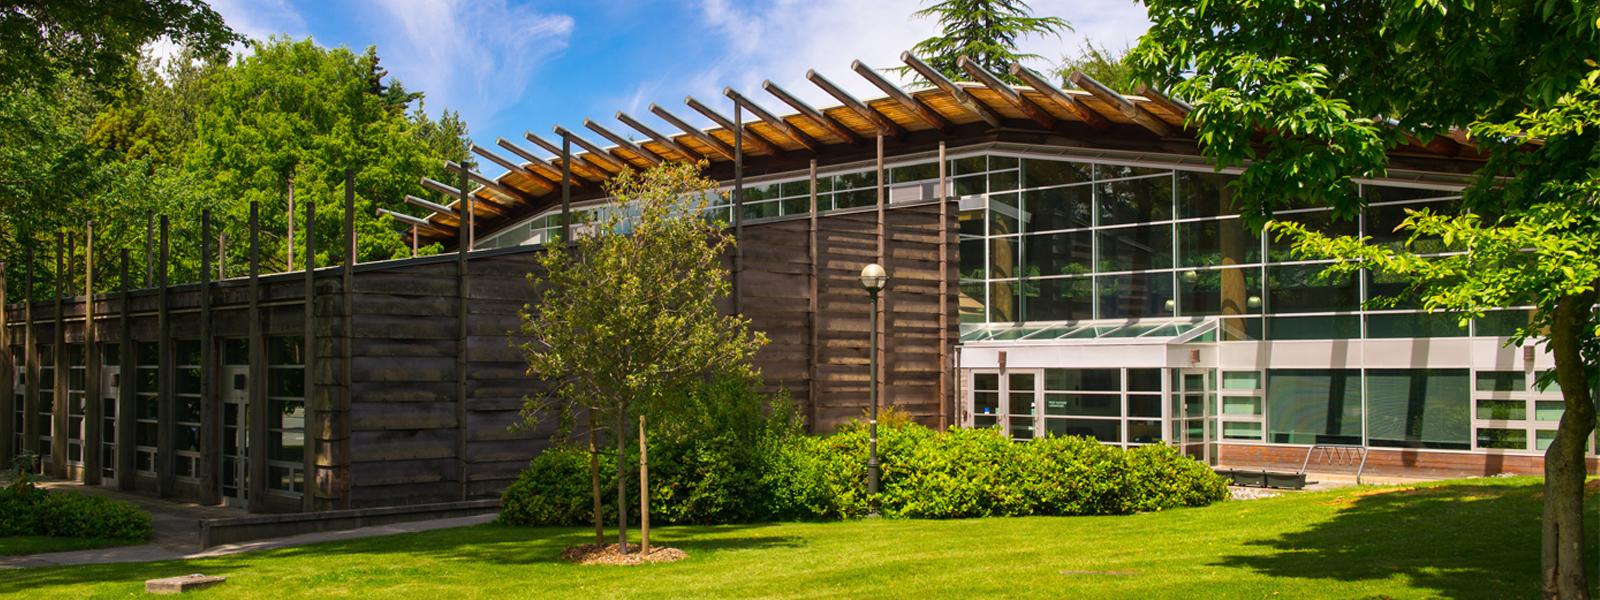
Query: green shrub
x=1160 y=478
x=736 y=458
x=62 y=514
x=555 y=490
x=19 y=511
x=85 y=516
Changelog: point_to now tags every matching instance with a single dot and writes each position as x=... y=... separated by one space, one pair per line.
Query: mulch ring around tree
x=607 y=554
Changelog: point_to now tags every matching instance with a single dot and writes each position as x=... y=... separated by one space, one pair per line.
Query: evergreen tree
x=985 y=31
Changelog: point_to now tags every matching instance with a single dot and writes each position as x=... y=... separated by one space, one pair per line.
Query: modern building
x=1061 y=262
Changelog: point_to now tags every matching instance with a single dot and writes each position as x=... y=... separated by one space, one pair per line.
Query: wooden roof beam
x=916 y=107
x=595 y=152
x=961 y=96
x=824 y=121
x=800 y=137
x=512 y=166
x=414 y=221
x=1128 y=109
x=761 y=144
x=536 y=161
x=884 y=125
x=1165 y=101
x=487 y=182
x=583 y=167
x=1022 y=103
x=671 y=144
x=1078 y=109
x=705 y=138
x=622 y=142
x=436 y=208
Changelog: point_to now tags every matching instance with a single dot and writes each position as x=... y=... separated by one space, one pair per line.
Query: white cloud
x=260 y=19
x=476 y=56
x=781 y=39
x=254 y=19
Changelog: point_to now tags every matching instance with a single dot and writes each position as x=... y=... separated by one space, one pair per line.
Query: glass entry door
x=1191 y=413
x=1021 y=395
x=1009 y=401
x=235 y=428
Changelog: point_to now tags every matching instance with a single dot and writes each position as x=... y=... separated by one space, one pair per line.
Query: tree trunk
x=594 y=483
x=1561 y=557
x=622 y=482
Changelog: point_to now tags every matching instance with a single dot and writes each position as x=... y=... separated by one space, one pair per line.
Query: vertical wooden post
x=222 y=255
x=814 y=323
x=149 y=249
x=347 y=343
x=166 y=432
x=566 y=190
x=316 y=429
x=256 y=404
x=738 y=209
x=125 y=380
x=93 y=417
x=880 y=376
x=30 y=359
x=413 y=241
x=58 y=346
x=945 y=400
x=289 y=247
x=210 y=399
x=462 y=281
x=644 y=492
x=8 y=395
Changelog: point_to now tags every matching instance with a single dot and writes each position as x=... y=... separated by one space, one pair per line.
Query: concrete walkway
x=157 y=551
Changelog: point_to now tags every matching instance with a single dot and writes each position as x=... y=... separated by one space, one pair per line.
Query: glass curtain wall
x=1048 y=240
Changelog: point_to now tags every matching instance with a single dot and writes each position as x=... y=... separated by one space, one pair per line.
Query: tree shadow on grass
x=1457 y=540
x=482 y=544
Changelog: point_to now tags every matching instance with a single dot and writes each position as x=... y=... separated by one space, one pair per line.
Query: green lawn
x=1468 y=538
x=34 y=544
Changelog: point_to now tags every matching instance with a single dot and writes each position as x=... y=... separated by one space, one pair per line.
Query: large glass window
x=1314 y=406
x=1059 y=208
x=186 y=409
x=1419 y=408
x=1135 y=200
x=1136 y=295
x=146 y=406
x=1304 y=289
x=1235 y=291
x=286 y=414
x=1051 y=254
x=1069 y=299
x=44 y=419
x=1135 y=248
x=1216 y=242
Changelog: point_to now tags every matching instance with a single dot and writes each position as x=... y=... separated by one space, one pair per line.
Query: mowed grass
x=18 y=545
x=1468 y=539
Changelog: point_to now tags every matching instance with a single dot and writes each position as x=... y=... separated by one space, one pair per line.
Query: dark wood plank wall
x=910 y=354
x=393 y=436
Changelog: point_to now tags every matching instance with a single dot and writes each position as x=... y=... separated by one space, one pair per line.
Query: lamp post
x=873 y=278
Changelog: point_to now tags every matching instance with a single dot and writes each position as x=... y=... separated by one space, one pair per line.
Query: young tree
x=985 y=31
x=1309 y=95
x=627 y=316
x=1103 y=64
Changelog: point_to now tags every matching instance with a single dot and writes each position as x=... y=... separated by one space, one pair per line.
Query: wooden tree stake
x=644 y=493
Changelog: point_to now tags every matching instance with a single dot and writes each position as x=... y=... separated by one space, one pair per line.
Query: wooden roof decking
x=946 y=105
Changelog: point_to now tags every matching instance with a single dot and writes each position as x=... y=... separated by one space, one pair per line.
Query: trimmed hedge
x=958 y=473
x=32 y=511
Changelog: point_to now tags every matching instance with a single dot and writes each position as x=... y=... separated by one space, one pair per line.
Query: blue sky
x=511 y=66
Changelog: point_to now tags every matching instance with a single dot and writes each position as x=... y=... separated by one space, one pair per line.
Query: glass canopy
x=1160 y=331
